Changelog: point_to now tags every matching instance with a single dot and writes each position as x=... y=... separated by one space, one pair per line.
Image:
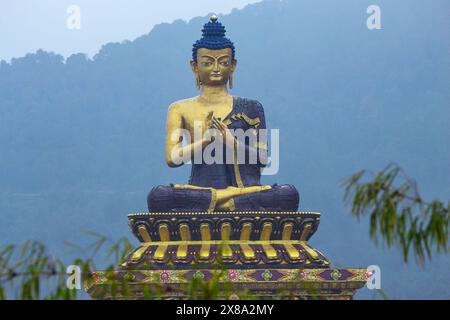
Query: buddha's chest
x=201 y=115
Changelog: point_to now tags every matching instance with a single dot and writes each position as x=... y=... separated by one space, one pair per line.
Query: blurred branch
x=31 y=272
x=397 y=212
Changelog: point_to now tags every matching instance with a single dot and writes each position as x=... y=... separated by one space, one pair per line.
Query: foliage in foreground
x=31 y=272
x=397 y=212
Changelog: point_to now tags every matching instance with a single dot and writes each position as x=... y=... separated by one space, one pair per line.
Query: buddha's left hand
x=227 y=136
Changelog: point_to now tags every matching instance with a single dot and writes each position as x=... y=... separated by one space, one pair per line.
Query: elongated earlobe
x=230 y=81
x=197 y=81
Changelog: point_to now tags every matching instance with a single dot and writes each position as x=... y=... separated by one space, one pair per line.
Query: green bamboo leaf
x=397 y=213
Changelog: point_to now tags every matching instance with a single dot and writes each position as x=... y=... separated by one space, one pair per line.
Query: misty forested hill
x=82 y=139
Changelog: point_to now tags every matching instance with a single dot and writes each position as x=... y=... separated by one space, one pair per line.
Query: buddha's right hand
x=231 y=192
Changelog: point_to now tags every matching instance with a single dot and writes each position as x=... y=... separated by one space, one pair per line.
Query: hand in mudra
x=225 y=197
x=227 y=136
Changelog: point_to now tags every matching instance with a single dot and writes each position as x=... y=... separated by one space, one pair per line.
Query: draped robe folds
x=200 y=192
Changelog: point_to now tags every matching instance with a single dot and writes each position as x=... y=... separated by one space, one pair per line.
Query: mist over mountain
x=82 y=141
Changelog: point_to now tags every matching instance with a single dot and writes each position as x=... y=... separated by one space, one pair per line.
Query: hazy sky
x=28 y=25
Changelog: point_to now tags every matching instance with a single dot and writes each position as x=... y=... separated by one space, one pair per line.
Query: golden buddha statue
x=223 y=217
x=223 y=185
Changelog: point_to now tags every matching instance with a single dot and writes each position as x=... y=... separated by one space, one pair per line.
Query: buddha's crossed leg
x=178 y=198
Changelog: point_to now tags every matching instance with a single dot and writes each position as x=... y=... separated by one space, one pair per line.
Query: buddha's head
x=213 y=61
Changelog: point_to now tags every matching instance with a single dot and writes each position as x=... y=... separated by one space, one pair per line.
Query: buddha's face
x=214 y=67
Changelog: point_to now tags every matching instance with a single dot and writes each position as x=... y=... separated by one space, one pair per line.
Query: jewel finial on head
x=213 y=18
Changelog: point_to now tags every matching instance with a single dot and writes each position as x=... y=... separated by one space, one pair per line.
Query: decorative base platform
x=235 y=284
x=247 y=254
